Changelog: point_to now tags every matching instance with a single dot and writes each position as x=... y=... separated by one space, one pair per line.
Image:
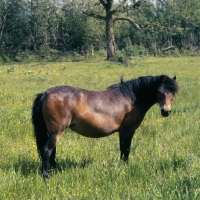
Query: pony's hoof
x=52 y=166
x=45 y=176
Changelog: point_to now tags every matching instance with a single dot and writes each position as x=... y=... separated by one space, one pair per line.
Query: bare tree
x=113 y=12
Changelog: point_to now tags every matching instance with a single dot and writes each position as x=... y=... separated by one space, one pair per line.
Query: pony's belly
x=91 y=131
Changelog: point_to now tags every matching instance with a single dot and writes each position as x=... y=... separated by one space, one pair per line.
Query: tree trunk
x=110 y=41
x=108 y=4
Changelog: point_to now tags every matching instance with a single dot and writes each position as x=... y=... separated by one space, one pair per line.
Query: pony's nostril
x=165 y=113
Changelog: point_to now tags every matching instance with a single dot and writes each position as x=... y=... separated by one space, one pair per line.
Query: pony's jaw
x=165 y=113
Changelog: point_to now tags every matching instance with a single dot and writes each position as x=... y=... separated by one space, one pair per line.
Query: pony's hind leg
x=49 y=151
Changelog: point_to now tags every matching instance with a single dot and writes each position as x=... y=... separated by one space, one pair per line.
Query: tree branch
x=3 y=25
x=127 y=19
x=119 y=6
x=168 y=48
x=96 y=16
x=138 y=3
x=103 y=3
x=123 y=7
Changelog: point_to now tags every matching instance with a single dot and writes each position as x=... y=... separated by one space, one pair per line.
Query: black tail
x=40 y=129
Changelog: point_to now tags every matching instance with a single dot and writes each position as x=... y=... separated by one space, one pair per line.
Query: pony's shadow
x=67 y=163
x=28 y=168
x=24 y=167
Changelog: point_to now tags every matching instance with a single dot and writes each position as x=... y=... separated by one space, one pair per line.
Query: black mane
x=170 y=84
x=135 y=88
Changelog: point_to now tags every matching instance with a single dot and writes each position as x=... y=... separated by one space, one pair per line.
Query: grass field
x=165 y=152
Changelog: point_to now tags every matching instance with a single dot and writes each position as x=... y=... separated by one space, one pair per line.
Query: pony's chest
x=133 y=119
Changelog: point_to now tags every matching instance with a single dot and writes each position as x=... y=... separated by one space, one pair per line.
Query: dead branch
x=91 y=14
x=127 y=19
x=40 y=77
x=168 y=48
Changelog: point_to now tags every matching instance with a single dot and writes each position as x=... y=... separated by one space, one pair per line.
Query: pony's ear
x=174 y=77
x=162 y=78
x=122 y=79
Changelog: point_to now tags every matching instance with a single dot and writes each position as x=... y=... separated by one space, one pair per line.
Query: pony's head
x=166 y=92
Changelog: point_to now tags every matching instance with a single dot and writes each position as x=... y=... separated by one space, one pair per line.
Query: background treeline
x=55 y=27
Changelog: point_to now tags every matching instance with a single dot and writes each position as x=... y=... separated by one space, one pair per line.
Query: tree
x=13 y=25
x=112 y=13
x=185 y=21
x=72 y=26
x=43 y=24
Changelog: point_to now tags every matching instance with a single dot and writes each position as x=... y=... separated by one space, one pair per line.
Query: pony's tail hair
x=40 y=129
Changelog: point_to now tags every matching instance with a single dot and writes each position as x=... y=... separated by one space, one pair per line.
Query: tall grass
x=165 y=155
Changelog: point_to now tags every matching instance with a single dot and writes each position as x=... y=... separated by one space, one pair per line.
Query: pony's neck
x=147 y=95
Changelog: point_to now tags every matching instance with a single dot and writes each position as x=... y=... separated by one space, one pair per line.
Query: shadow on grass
x=69 y=163
x=27 y=167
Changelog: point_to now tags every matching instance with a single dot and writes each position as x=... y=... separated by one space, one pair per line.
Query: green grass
x=165 y=152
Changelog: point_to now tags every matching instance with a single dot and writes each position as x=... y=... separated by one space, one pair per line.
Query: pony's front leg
x=52 y=162
x=47 y=151
x=121 y=143
x=125 y=138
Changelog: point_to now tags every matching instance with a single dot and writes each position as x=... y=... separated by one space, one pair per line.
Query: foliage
x=37 y=25
x=164 y=24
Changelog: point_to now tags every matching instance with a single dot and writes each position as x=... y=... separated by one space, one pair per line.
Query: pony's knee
x=46 y=154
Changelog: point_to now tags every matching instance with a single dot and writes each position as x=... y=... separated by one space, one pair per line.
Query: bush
x=134 y=50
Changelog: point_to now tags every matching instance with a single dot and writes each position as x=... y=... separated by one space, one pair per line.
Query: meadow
x=164 y=161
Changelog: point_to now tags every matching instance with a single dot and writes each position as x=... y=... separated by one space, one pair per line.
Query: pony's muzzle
x=165 y=113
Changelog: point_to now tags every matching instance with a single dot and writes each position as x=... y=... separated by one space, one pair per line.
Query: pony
x=120 y=108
